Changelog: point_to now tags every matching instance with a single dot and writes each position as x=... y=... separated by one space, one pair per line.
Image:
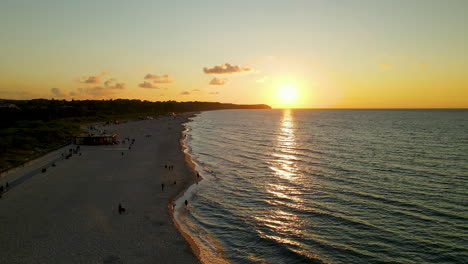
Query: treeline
x=30 y=128
x=47 y=110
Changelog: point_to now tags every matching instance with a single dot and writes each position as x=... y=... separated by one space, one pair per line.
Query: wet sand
x=69 y=214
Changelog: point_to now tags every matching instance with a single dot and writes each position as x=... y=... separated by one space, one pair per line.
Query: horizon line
x=374 y=108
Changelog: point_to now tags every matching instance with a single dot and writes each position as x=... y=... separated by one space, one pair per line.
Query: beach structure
x=91 y=139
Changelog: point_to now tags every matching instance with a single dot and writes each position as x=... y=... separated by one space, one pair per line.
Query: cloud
x=94 y=86
x=93 y=79
x=196 y=90
x=214 y=92
x=112 y=84
x=57 y=92
x=218 y=81
x=185 y=93
x=226 y=68
x=96 y=91
x=158 y=78
x=147 y=85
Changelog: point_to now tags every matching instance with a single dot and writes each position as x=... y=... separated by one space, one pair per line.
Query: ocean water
x=329 y=186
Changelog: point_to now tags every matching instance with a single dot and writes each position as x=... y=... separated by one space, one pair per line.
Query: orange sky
x=327 y=54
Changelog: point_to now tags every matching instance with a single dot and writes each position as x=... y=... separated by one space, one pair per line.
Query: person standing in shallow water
x=186 y=203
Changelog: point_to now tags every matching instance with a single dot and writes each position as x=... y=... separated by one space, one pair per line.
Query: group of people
x=169 y=167
x=131 y=142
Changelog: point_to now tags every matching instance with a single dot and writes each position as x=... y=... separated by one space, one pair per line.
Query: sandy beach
x=69 y=213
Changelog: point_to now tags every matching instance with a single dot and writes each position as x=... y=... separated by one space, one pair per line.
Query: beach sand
x=69 y=214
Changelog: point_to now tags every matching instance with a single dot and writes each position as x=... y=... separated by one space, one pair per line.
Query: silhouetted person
x=175 y=182
x=186 y=202
x=162 y=186
x=198 y=175
x=122 y=153
x=121 y=209
x=165 y=166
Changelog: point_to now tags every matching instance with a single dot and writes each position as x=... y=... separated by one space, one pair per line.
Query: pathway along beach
x=70 y=212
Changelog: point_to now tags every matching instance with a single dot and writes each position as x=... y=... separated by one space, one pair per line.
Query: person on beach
x=173 y=205
x=175 y=182
x=121 y=209
x=162 y=186
x=186 y=203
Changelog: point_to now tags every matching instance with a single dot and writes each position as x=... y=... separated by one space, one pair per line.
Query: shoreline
x=189 y=163
x=203 y=252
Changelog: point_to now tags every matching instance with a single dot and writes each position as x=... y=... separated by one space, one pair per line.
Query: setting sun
x=287 y=94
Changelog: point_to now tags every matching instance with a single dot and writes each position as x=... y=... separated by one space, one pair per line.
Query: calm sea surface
x=330 y=186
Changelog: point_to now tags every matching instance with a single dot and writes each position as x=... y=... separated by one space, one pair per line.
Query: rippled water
x=331 y=186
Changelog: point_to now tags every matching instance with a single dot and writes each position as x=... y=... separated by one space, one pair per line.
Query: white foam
x=210 y=251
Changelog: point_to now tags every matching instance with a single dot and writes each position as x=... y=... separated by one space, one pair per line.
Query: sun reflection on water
x=284 y=165
x=279 y=224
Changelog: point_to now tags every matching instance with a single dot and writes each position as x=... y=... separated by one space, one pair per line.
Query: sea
x=328 y=186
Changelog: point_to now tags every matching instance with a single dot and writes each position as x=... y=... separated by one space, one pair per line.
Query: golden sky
x=298 y=54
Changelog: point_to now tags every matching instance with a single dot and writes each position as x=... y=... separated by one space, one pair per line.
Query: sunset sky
x=301 y=54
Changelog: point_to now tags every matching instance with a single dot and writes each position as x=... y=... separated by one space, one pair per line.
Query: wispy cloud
x=185 y=93
x=166 y=78
x=93 y=79
x=147 y=85
x=57 y=93
x=218 y=81
x=227 y=68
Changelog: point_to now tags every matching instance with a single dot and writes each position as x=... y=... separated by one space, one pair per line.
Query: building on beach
x=91 y=139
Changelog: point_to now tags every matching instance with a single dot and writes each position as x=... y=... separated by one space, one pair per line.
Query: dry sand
x=69 y=214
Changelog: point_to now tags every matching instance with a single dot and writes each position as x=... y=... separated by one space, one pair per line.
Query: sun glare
x=287 y=95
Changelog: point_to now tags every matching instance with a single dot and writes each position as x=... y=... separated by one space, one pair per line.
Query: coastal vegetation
x=31 y=128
